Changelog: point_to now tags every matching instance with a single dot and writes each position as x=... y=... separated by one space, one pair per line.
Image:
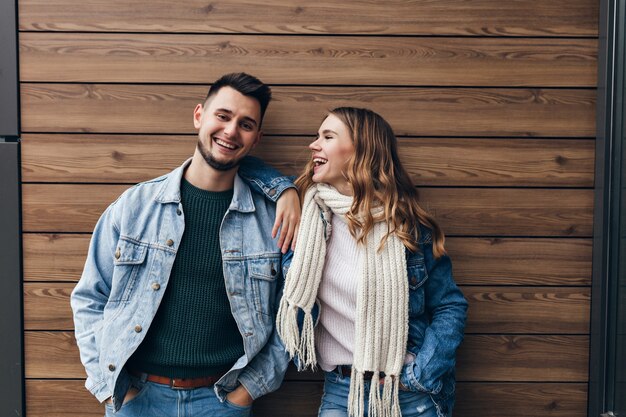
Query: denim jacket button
x=118 y=253
x=272 y=192
x=273 y=271
x=111 y=367
x=413 y=281
x=138 y=329
x=179 y=212
x=156 y=286
x=169 y=242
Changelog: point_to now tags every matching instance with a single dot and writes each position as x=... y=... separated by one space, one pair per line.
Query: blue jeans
x=157 y=400
x=337 y=388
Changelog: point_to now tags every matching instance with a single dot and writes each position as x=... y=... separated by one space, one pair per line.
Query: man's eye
x=328 y=137
x=247 y=126
x=222 y=116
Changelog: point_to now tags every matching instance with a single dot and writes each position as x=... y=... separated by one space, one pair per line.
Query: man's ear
x=197 y=116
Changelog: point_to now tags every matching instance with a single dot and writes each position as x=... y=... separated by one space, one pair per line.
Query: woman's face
x=331 y=150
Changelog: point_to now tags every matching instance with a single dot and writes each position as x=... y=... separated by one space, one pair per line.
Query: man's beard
x=214 y=163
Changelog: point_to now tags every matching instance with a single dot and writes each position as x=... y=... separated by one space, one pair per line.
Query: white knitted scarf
x=381 y=324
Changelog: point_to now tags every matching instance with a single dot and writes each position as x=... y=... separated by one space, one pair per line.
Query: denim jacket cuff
x=253 y=383
x=99 y=389
x=274 y=188
x=413 y=383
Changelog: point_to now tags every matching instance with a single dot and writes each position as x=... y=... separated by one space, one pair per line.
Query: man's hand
x=130 y=394
x=240 y=397
x=288 y=214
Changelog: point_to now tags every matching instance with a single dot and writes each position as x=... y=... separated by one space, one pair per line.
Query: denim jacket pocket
x=417 y=276
x=129 y=256
x=263 y=275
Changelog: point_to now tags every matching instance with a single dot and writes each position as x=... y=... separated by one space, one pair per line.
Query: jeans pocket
x=244 y=409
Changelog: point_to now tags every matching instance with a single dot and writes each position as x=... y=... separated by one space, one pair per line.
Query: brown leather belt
x=179 y=383
x=346 y=371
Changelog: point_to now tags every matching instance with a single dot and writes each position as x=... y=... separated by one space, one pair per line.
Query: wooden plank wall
x=494 y=105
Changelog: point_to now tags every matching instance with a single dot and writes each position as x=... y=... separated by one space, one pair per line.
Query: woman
x=390 y=310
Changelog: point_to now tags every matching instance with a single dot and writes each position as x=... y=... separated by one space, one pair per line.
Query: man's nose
x=230 y=129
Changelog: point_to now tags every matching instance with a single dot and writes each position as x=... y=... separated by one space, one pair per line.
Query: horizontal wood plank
x=161 y=58
x=492 y=358
x=488 y=358
x=430 y=161
x=511 y=261
x=529 y=310
x=54 y=257
x=521 y=400
x=59 y=398
x=461 y=211
x=105 y=108
x=506 y=212
x=453 y=17
x=476 y=261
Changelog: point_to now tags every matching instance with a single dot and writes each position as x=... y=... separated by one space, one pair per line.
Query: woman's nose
x=314 y=145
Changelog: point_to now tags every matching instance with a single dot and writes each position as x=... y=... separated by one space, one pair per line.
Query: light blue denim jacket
x=127 y=270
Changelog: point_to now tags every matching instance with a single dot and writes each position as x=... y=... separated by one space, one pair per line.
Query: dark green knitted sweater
x=194 y=333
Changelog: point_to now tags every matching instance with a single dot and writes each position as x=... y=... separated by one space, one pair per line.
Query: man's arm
x=278 y=188
x=89 y=298
x=273 y=352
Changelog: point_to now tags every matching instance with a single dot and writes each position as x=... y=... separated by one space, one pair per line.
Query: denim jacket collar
x=170 y=191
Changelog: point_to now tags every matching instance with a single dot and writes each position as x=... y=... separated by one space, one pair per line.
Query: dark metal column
x=11 y=327
x=603 y=390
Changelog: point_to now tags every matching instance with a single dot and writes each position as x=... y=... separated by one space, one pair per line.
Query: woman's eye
x=328 y=137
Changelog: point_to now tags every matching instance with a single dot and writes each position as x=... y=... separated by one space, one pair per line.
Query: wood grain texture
x=453 y=17
x=47 y=306
x=161 y=58
x=521 y=400
x=511 y=212
x=51 y=355
x=55 y=398
x=476 y=261
x=489 y=358
x=511 y=261
x=54 y=257
x=104 y=108
x=492 y=358
x=529 y=310
x=430 y=161
x=461 y=211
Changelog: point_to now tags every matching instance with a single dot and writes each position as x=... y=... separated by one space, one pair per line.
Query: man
x=174 y=312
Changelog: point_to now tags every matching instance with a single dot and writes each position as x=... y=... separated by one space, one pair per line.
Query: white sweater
x=334 y=334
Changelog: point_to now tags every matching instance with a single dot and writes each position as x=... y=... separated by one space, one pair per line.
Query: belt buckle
x=173 y=383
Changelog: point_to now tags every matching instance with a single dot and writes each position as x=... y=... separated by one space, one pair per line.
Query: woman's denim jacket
x=127 y=269
x=437 y=313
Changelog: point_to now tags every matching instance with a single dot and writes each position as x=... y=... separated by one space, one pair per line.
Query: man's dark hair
x=247 y=85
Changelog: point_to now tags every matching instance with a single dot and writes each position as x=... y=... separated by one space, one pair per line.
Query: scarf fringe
x=301 y=344
x=357 y=393
x=386 y=404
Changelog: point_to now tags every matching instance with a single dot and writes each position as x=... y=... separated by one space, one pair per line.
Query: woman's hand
x=287 y=219
x=240 y=397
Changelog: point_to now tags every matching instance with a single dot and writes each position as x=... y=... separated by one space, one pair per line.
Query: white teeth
x=225 y=144
x=320 y=161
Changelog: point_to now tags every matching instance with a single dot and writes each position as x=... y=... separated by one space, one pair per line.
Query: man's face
x=228 y=128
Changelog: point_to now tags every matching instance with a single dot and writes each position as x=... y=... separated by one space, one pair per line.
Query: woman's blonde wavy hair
x=378 y=179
